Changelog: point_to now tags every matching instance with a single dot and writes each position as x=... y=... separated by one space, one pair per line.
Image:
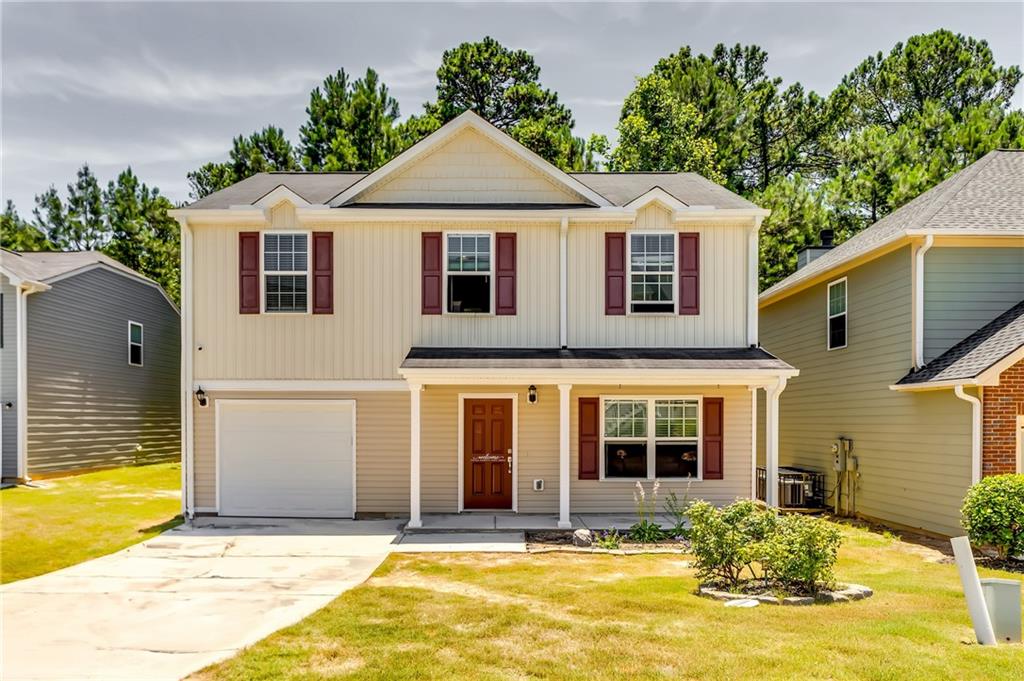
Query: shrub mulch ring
x=547 y=541
x=757 y=590
x=1006 y=564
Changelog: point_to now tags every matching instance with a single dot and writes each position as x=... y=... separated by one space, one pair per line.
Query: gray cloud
x=164 y=87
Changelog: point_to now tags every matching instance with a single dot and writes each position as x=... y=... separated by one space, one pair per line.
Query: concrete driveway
x=178 y=602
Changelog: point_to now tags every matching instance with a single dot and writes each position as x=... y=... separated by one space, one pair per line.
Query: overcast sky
x=164 y=87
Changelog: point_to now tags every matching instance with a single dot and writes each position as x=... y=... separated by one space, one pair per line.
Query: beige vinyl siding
x=601 y=496
x=722 y=321
x=376 y=305
x=537 y=449
x=913 y=449
x=965 y=288
x=382 y=447
x=469 y=169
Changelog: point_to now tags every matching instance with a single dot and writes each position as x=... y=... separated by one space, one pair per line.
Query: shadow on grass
x=162 y=527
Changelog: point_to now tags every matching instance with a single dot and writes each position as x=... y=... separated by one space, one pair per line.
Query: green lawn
x=488 y=616
x=68 y=520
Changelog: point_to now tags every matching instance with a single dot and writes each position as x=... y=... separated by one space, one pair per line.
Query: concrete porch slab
x=463 y=542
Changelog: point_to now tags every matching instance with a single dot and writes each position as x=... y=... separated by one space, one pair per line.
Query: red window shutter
x=689 y=273
x=615 y=273
x=505 y=273
x=248 y=272
x=590 y=425
x=323 y=272
x=431 y=266
x=712 y=445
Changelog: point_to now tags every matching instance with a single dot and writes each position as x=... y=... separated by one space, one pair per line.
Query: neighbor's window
x=652 y=272
x=285 y=272
x=651 y=437
x=469 y=272
x=135 y=344
x=837 y=314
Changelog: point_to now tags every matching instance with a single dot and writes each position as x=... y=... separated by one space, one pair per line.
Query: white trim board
x=290 y=385
x=514 y=397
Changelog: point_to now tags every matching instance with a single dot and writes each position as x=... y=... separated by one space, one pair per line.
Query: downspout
x=563 y=283
x=975 y=431
x=187 y=463
x=919 y=300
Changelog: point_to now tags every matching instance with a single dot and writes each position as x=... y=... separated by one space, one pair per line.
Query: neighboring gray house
x=909 y=338
x=89 y=362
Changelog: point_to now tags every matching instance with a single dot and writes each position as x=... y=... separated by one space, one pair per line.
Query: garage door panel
x=286 y=458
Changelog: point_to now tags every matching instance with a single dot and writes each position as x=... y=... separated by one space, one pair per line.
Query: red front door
x=487 y=455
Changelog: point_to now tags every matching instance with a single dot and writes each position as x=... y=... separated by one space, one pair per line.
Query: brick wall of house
x=1000 y=407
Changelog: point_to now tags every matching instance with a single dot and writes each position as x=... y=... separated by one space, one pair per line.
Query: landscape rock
x=798 y=600
x=766 y=598
x=582 y=538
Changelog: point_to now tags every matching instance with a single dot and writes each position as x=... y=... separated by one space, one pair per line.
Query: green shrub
x=993 y=514
x=800 y=553
x=607 y=540
x=646 y=530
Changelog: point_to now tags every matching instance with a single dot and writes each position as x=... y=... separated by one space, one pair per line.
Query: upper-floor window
x=469 y=272
x=652 y=267
x=837 y=314
x=285 y=272
x=135 y=344
x=651 y=438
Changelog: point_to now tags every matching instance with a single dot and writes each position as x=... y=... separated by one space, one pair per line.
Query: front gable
x=468 y=161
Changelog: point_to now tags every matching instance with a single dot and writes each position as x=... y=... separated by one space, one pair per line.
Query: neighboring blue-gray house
x=89 y=363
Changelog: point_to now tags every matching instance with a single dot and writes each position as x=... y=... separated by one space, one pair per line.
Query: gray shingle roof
x=976 y=353
x=45 y=265
x=987 y=195
x=587 y=358
x=619 y=188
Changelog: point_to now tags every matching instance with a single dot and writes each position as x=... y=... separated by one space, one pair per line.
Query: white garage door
x=286 y=458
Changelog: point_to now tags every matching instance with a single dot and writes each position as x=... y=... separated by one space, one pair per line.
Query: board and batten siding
x=722 y=321
x=9 y=379
x=382 y=446
x=469 y=168
x=616 y=496
x=965 y=288
x=377 y=314
x=87 y=406
x=913 y=449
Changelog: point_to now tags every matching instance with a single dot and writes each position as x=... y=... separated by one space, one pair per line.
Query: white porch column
x=753 y=441
x=415 y=390
x=771 y=441
x=563 y=456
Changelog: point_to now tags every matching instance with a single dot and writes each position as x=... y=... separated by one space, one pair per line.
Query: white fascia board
x=638 y=377
x=350 y=214
x=704 y=214
x=227 y=216
x=659 y=196
x=468 y=119
x=1019 y=233
x=275 y=196
x=289 y=385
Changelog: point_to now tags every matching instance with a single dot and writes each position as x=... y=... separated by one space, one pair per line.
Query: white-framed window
x=134 y=344
x=469 y=270
x=652 y=272
x=650 y=437
x=285 y=259
x=836 y=311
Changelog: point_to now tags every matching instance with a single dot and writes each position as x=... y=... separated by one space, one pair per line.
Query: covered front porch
x=470 y=521
x=544 y=439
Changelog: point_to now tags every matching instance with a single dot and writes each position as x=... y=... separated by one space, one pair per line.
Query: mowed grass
x=68 y=520
x=572 y=616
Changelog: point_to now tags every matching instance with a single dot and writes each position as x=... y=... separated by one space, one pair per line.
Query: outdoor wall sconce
x=531 y=394
x=201 y=397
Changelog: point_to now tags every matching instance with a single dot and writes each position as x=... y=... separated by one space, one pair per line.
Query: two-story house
x=910 y=342
x=468 y=327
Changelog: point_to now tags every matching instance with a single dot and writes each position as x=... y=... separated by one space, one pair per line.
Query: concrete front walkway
x=178 y=602
x=477 y=521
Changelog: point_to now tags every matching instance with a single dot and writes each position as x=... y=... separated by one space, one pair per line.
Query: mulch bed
x=1007 y=564
x=546 y=541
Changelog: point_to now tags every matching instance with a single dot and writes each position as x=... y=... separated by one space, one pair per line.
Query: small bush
x=745 y=541
x=646 y=530
x=607 y=540
x=993 y=514
x=800 y=552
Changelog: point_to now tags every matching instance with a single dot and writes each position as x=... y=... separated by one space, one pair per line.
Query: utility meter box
x=1002 y=600
x=838 y=456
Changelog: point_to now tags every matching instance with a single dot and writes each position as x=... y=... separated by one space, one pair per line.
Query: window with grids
x=469 y=273
x=135 y=344
x=652 y=265
x=286 y=272
x=837 y=315
x=652 y=437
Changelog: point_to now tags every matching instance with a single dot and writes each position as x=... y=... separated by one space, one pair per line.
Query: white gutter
x=919 y=300
x=596 y=376
x=975 y=431
x=563 y=284
x=187 y=453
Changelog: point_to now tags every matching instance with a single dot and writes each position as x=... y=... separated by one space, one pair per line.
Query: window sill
x=633 y=481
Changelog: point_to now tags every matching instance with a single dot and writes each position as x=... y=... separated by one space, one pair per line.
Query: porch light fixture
x=201 y=397
x=531 y=394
